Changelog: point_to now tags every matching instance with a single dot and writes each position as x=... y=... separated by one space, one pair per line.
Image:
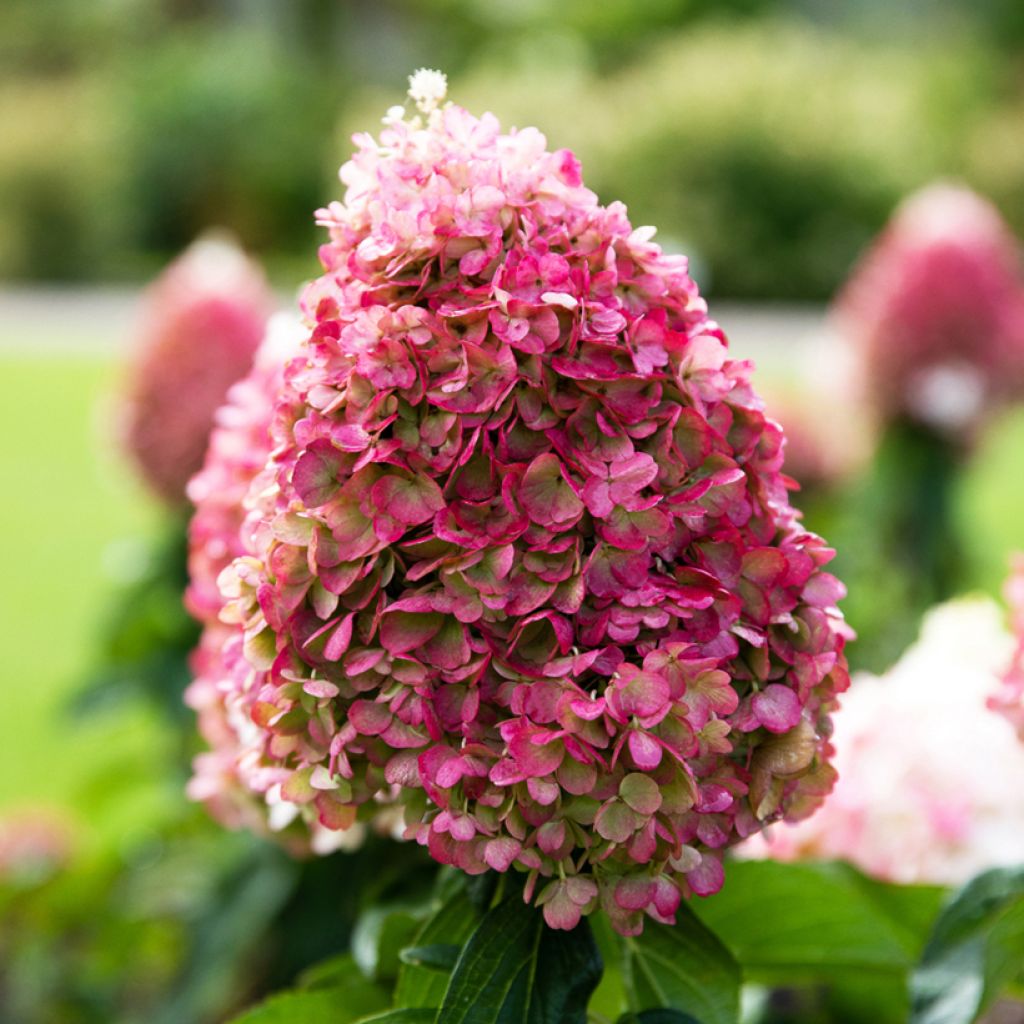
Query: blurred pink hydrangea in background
x=521 y=563
x=200 y=325
x=828 y=436
x=34 y=843
x=930 y=778
x=238 y=451
x=1009 y=699
x=936 y=312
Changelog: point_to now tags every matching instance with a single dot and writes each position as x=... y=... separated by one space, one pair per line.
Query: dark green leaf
x=811 y=920
x=569 y=969
x=975 y=950
x=404 y=1016
x=439 y=957
x=514 y=970
x=682 y=967
x=422 y=985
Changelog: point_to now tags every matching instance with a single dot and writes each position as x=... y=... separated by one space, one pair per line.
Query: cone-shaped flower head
x=521 y=566
x=1009 y=698
x=201 y=323
x=929 y=783
x=936 y=310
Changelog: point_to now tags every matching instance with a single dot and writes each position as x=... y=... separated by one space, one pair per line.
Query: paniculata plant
x=521 y=570
x=200 y=325
x=1010 y=697
x=936 y=311
x=929 y=777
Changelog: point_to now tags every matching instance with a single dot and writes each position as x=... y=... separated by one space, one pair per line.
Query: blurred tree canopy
x=769 y=138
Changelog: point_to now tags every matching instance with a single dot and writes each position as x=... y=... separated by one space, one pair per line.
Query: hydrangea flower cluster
x=34 y=843
x=218 y=533
x=201 y=323
x=828 y=436
x=1009 y=698
x=935 y=803
x=521 y=566
x=936 y=311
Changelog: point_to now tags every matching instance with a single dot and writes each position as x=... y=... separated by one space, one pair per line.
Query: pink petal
x=777 y=708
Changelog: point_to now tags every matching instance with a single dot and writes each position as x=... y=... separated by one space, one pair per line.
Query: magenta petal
x=405 y=631
x=536 y=759
x=645 y=751
x=450 y=773
x=500 y=853
x=707 y=877
x=337 y=643
x=561 y=913
x=408 y=501
x=370 y=718
x=546 y=496
x=315 y=475
x=634 y=893
x=777 y=708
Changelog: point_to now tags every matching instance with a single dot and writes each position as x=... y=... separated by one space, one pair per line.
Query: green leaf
x=658 y=1017
x=682 y=967
x=341 y=973
x=333 y=971
x=321 y=1006
x=609 y=998
x=812 y=920
x=379 y=936
x=569 y=968
x=421 y=985
x=975 y=950
x=515 y=970
x=403 y=1016
x=438 y=957
x=334 y=991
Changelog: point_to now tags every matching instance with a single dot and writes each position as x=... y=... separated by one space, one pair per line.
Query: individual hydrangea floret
x=200 y=325
x=934 y=803
x=936 y=313
x=1009 y=698
x=521 y=567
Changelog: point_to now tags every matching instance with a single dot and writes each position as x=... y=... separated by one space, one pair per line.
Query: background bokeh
x=768 y=139
x=771 y=137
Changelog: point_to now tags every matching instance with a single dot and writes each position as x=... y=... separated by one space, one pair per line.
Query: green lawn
x=69 y=498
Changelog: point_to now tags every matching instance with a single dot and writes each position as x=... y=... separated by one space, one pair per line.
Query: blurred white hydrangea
x=931 y=780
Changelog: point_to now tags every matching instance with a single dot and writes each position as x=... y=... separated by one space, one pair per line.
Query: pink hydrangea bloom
x=34 y=843
x=220 y=691
x=828 y=437
x=522 y=565
x=201 y=323
x=929 y=783
x=1009 y=698
x=936 y=310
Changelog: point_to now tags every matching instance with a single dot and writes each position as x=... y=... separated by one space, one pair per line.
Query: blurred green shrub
x=771 y=149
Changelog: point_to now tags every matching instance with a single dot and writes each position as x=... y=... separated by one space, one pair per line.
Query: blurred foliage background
x=771 y=138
